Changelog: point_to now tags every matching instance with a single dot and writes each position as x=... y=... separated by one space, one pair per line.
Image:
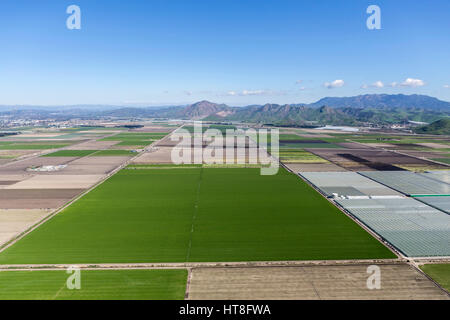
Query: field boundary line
x=188 y=283
x=185 y=265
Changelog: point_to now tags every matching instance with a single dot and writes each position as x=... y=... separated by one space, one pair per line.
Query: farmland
x=345 y=282
x=53 y=168
x=134 y=138
x=31 y=146
x=112 y=153
x=96 y=285
x=70 y=153
x=242 y=151
x=84 y=153
x=439 y=272
x=196 y=214
x=299 y=156
x=275 y=232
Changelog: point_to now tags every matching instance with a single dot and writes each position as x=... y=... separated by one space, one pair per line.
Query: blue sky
x=235 y=52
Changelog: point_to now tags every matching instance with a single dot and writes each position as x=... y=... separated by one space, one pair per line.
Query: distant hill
x=203 y=109
x=438 y=127
x=287 y=115
x=375 y=108
x=382 y=101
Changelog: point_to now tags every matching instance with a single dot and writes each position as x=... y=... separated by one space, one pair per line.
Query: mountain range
x=381 y=101
x=375 y=109
x=363 y=109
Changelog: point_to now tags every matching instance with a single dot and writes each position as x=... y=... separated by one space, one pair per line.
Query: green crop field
x=439 y=272
x=135 y=143
x=221 y=127
x=284 y=136
x=107 y=153
x=135 y=138
x=197 y=214
x=95 y=285
x=444 y=160
x=70 y=153
x=299 y=156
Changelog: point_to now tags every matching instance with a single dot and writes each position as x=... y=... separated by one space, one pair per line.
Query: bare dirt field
x=164 y=155
x=157 y=155
x=333 y=155
x=32 y=203
x=8 y=180
x=378 y=145
x=39 y=135
x=12 y=177
x=57 y=182
x=371 y=159
x=93 y=160
x=433 y=145
x=20 y=167
x=74 y=165
x=117 y=147
x=398 y=281
x=15 y=153
x=92 y=145
x=91 y=165
x=7 y=183
x=36 y=198
x=325 y=132
x=311 y=135
x=15 y=221
x=313 y=167
x=353 y=145
x=153 y=129
x=425 y=154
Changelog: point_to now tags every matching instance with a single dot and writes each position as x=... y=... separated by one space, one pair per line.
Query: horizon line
x=184 y=104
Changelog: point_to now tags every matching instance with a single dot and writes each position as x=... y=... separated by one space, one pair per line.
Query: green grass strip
x=95 y=285
x=439 y=272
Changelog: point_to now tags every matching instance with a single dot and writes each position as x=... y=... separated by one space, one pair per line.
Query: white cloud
x=334 y=84
x=393 y=84
x=255 y=93
x=302 y=88
x=409 y=82
x=298 y=81
x=447 y=86
x=377 y=84
x=188 y=93
x=412 y=83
